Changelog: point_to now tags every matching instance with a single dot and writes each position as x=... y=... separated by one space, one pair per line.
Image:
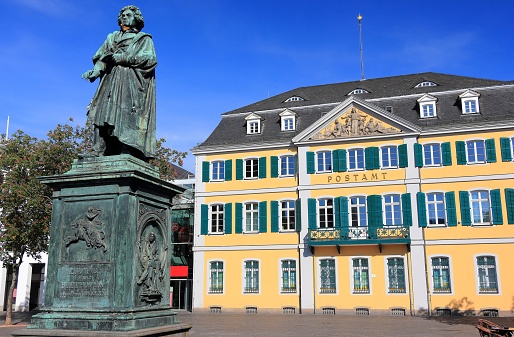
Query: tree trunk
x=8 y=316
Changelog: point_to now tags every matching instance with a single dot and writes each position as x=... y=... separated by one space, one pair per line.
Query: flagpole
x=359 y=18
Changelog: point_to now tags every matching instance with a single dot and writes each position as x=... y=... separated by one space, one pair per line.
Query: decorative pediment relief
x=354 y=123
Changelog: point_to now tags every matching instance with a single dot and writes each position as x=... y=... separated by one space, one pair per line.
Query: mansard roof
x=397 y=94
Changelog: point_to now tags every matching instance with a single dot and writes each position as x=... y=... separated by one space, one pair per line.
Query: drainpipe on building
x=299 y=276
x=426 y=273
x=409 y=271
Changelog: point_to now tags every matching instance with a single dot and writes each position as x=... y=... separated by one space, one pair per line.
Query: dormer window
x=294 y=99
x=253 y=124
x=427 y=106
x=425 y=84
x=358 y=91
x=287 y=120
x=469 y=102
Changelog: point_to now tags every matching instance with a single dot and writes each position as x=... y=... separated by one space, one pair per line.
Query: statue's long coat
x=125 y=99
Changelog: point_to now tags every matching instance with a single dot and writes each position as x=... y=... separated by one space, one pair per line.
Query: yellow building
x=386 y=196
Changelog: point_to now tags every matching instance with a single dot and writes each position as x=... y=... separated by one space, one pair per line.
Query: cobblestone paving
x=263 y=325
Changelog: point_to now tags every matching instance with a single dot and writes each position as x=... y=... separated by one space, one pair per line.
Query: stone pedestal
x=109 y=254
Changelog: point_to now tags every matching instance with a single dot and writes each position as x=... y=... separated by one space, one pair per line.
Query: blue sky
x=218 y=55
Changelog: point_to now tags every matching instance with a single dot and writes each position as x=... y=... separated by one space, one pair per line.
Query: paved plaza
x=249 y=325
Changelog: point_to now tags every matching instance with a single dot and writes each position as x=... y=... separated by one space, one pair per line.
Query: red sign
x=174 y=227
x=178 y=271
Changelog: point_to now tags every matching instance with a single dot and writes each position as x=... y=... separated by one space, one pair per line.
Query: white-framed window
x=396 y=275
x=358 y=211
x=287 y=120
x=425 y=84
x=441 y=279
x=355 y=159
x=294 y=99
x=389 y=156
x=217 y=219
x=480 y=207
x=287 y=165
x=216 y=277
x=469 y=102
x=360 y=272
x=327 y=275
x=432 y=154
x=435 y=208
x=427 y=106
x=251 y=276
x=475 y=151
x=324 y=161
x=288 y=276
x=251 y=169
x=358 y=91
x=392 y=210
x=251 y=217
x=326 y=213
x=287 y=215
x=487 y=275
x=218 y=170
x=253 y=124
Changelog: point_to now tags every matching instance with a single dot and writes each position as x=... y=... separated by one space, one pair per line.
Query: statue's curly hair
x=140 y=22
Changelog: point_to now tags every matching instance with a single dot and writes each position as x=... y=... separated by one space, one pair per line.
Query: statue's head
x=139 y=22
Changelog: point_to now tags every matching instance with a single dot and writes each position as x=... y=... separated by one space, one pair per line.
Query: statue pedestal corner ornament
x=110 y=252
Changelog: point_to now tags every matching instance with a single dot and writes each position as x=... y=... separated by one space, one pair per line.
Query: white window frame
x=328 y=212
x=252 y=173
x=217 y=170
x=358 y=91
x=253 y=124
x=321 y=283
x=358 y=207
x=425 y=84
x=432 y=155
x=285 y=159
x=387 y=157
x=250 y=291
x=470 y=97
x=220 y=218
x=254 y=219
x=287 y=290
x=436 y=203
x=287 y=120
x=288 y=209
x=477 y=274
x=386 y=273
x=353 y=156
x=472 y=151
x=450 y=275
x=392 y=205
x=326 y=161
x=479 y=202
x=211 y=290
x=354 y=291
x=294 y=99
x=427 y=106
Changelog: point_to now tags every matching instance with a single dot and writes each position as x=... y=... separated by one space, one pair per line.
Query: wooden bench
x=489 y=329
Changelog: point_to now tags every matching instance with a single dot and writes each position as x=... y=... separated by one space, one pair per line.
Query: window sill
x=216 y=233
x=437 y=226
x=482 y=224
x=287 y=231
x=251 y=233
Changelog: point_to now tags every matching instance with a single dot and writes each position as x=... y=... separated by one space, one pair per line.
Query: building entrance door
x=180 y=294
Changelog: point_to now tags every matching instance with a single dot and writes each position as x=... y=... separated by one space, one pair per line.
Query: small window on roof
x=469 y=102
x=425 y=84
x=294 y=99
x=358 y=91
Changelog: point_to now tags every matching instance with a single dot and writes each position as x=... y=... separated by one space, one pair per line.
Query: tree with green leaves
x=26 y=204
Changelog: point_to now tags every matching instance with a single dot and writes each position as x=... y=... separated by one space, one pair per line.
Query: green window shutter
x=496 y=206
x=509 y=199
x=372 y=159
x=228 y=218
x=461 y=152
x=311 y=167
x=451 y=209
x=262 y=167
x=418 y=155
x=422 y=209
x=374 y=203
x=312 y=206
x=505 y=144
x=337 y=212
x=403 y=157
x=339 y=157
x=446 y=149
x=239 y=218
x=239 y=169
x=465 y=211
x=228 y=170
x=274 y=216
x=263 y=216
x=406 y=209
x=205 y=171
x=490 y=150
x=274 y=166
x=204 y=224
x=298 y=215
x=344 y=212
